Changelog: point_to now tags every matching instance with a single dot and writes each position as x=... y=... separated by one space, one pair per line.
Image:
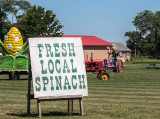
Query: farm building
x=123 y=50
x=93 y=46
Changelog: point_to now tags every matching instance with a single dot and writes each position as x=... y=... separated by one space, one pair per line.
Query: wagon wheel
x=14 y=76
x=120 y=66
x=104 y=76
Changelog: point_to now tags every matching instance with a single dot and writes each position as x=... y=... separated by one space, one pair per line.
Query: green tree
x=19 y=8
x=134 y=41
x=4 y=22
x=10 y=7
x=147 y=24
x=37 y=22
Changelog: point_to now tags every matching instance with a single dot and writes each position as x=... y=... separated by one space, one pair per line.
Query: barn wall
x=99 y=52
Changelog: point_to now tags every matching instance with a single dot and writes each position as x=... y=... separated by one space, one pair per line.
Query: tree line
x=32 y=21
x=145 y=40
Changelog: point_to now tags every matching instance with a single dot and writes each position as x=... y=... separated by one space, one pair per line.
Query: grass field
x=132 y=94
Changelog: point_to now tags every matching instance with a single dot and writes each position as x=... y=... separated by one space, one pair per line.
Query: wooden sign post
x=57 y=70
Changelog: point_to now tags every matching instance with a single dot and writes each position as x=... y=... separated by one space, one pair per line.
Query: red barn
x=93 y=45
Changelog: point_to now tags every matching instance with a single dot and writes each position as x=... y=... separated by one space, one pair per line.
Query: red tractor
x=101 y=67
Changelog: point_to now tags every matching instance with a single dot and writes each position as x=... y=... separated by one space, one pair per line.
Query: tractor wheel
x=120 y=66
x=104 y=76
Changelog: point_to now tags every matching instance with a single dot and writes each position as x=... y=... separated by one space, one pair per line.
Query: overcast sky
x=106 y=19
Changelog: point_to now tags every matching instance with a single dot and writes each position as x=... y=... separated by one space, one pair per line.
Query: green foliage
x=146 y=38
x=134 y=39
x=4 y=23
x=7 y=7
x=20 y=5
x=31 y=21
x=38 y=22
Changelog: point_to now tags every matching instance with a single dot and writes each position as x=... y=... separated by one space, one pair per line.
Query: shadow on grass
x=4 y=79
x=44 y=114
x=15 y=80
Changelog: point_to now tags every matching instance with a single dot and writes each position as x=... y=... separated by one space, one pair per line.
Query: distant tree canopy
x=32 y=21
x=10 y=7
x=146 y=38
x=38 y=22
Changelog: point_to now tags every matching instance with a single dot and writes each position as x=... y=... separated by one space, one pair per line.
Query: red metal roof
x=90 y=40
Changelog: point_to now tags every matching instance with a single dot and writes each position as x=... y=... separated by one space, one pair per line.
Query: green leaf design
x=7 y=62
x=4 y=49
x=21 y=62
x=24 y=48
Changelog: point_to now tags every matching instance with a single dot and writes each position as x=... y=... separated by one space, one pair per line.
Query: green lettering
x=50 y=66
x=43 y=71
x=71 y=49
x=51 y=78
x=56 y=46
x=66 y=83
x=45 y=82
x=64 y=54
x=65 y=67
x=40 y=46
x=48 y=49
x=74 y=70
x=80 y=86
x=58 y=82
x=57 y=62
x=74 y=85
x=37 y=80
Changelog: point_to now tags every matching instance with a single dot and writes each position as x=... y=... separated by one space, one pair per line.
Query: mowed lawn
x=132 y=94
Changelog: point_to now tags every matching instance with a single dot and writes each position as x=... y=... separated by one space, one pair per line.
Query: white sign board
x=57 y=66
